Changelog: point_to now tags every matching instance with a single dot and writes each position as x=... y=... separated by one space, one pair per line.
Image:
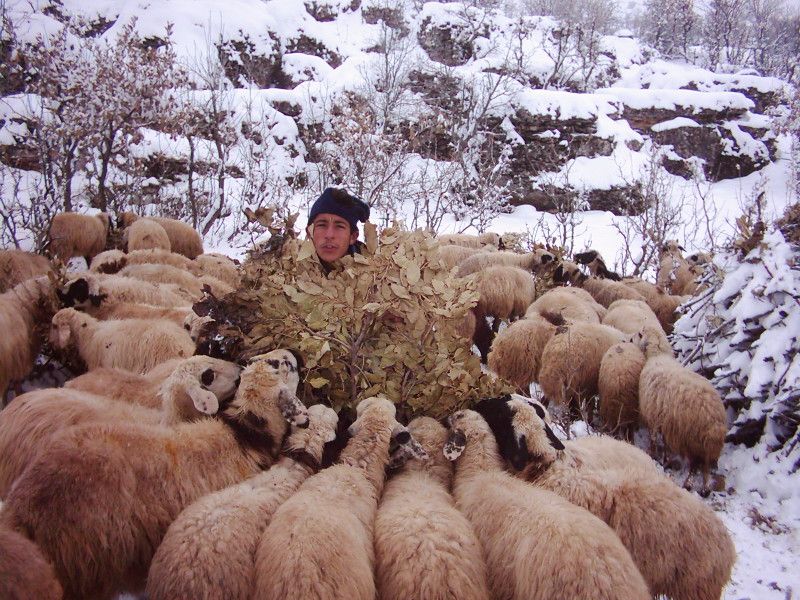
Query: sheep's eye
x=207 y=378
x=275 y=364
x=186 y=327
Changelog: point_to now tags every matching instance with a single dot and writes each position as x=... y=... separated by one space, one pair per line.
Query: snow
x=672 y=99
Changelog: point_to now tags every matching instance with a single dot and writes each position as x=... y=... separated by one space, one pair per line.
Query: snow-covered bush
x=742 y=332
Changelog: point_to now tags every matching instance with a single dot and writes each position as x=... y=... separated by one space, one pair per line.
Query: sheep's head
x=81 y=292
x=426 y=441
x=61 y=328
x=369 y=408
x=671 y=247
x=567 y=272
x=462 y=424
x=306 y=444
x=521 y=429
x=125 y=218
x=206 y=381
x=284 y=363
x=651 y=341
x=196 y=325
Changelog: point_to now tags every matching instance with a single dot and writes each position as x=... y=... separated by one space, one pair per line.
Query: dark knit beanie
x=338 y=202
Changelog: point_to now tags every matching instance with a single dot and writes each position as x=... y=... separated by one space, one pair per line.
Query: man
x=332 y=224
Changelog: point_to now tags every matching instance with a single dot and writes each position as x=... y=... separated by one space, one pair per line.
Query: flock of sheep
x=177 y=475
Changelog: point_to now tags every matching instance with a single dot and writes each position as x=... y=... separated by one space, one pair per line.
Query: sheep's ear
x=554 y=441
x=455 y=444
x=292 y=409
x=204 y=401
x=402 y=438
x=298 y=359
x=78 y=291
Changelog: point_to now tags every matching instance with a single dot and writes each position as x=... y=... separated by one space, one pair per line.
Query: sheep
x=516 y=353
x=630 y=316
x=663 y=305
x=161 y=273
x=505 y=293
x=146 y=234
x=519 y=527
x=196 y=325
x=596 y=265
x=570 y=363
x=34 y=418
x=95 y=289
x=531 y=261
x=133 y=310
x=16 y=266
x=164 y=387
x=424 y=547
x=618 y=387
x=604 y=291
x=218 y=266
x=678 y=544
x=24 y=573
x=100 y=498
x=471 y=241
x=138 y=257
x=452 y=254
x=72 y=234
x=133 y=344
x=209 y=550
x=21 y=309
x=319 y=544
x=182 y=237
x=675 y=274
x=108 y=262
x=572 y=304
x=681 y=406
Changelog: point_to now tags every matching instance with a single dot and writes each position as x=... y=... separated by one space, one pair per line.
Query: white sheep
x=505 y=293
x=16 y=266
x=604 y=291
x=452 y=254
x=161 y=257
x=570 y=303
x=618 y=387
x=679 y=545
x=33 y=419
x=133 y=344
x=21 y=309
x=209 y=550
x=516 y=353
x=184 y=239
x=675 y=274
x=162 y=273
x=319 y=544
x=681 y=406
x=570 y=363
x=108 y=262
x=630 y=316
x=100 y=498
x=146 y=234
x=424 y=547
x=24 y=573
x=664 y=305
x=95 y=289
x=536 y=544
x=72 y=234
x=134 y=310
x=218 y=266
x=470 y=241
x=532 y=261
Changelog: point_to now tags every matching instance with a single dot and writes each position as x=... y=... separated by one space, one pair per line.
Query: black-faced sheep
x=33 y=419
x=72 y=234
x=516 y=353
x=319 y=544
x=99 y=500
x=24 y=573
x=183 y=238
x=146 y=234
x=571 y=361
x=532 y=261
x=681 y=406
x=16 y=266
x=94 y=289
x=21 y=309
x=519 y=526
x=679 y=545
x=209 y=550
x=133 y=344
x=424 y=547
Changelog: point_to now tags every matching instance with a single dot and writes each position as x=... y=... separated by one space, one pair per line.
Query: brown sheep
x=16 y=266
x=72 y=234
x=184 y=239
x=146 y=234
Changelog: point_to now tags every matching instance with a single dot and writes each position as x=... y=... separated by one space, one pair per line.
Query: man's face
x=331 y=235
